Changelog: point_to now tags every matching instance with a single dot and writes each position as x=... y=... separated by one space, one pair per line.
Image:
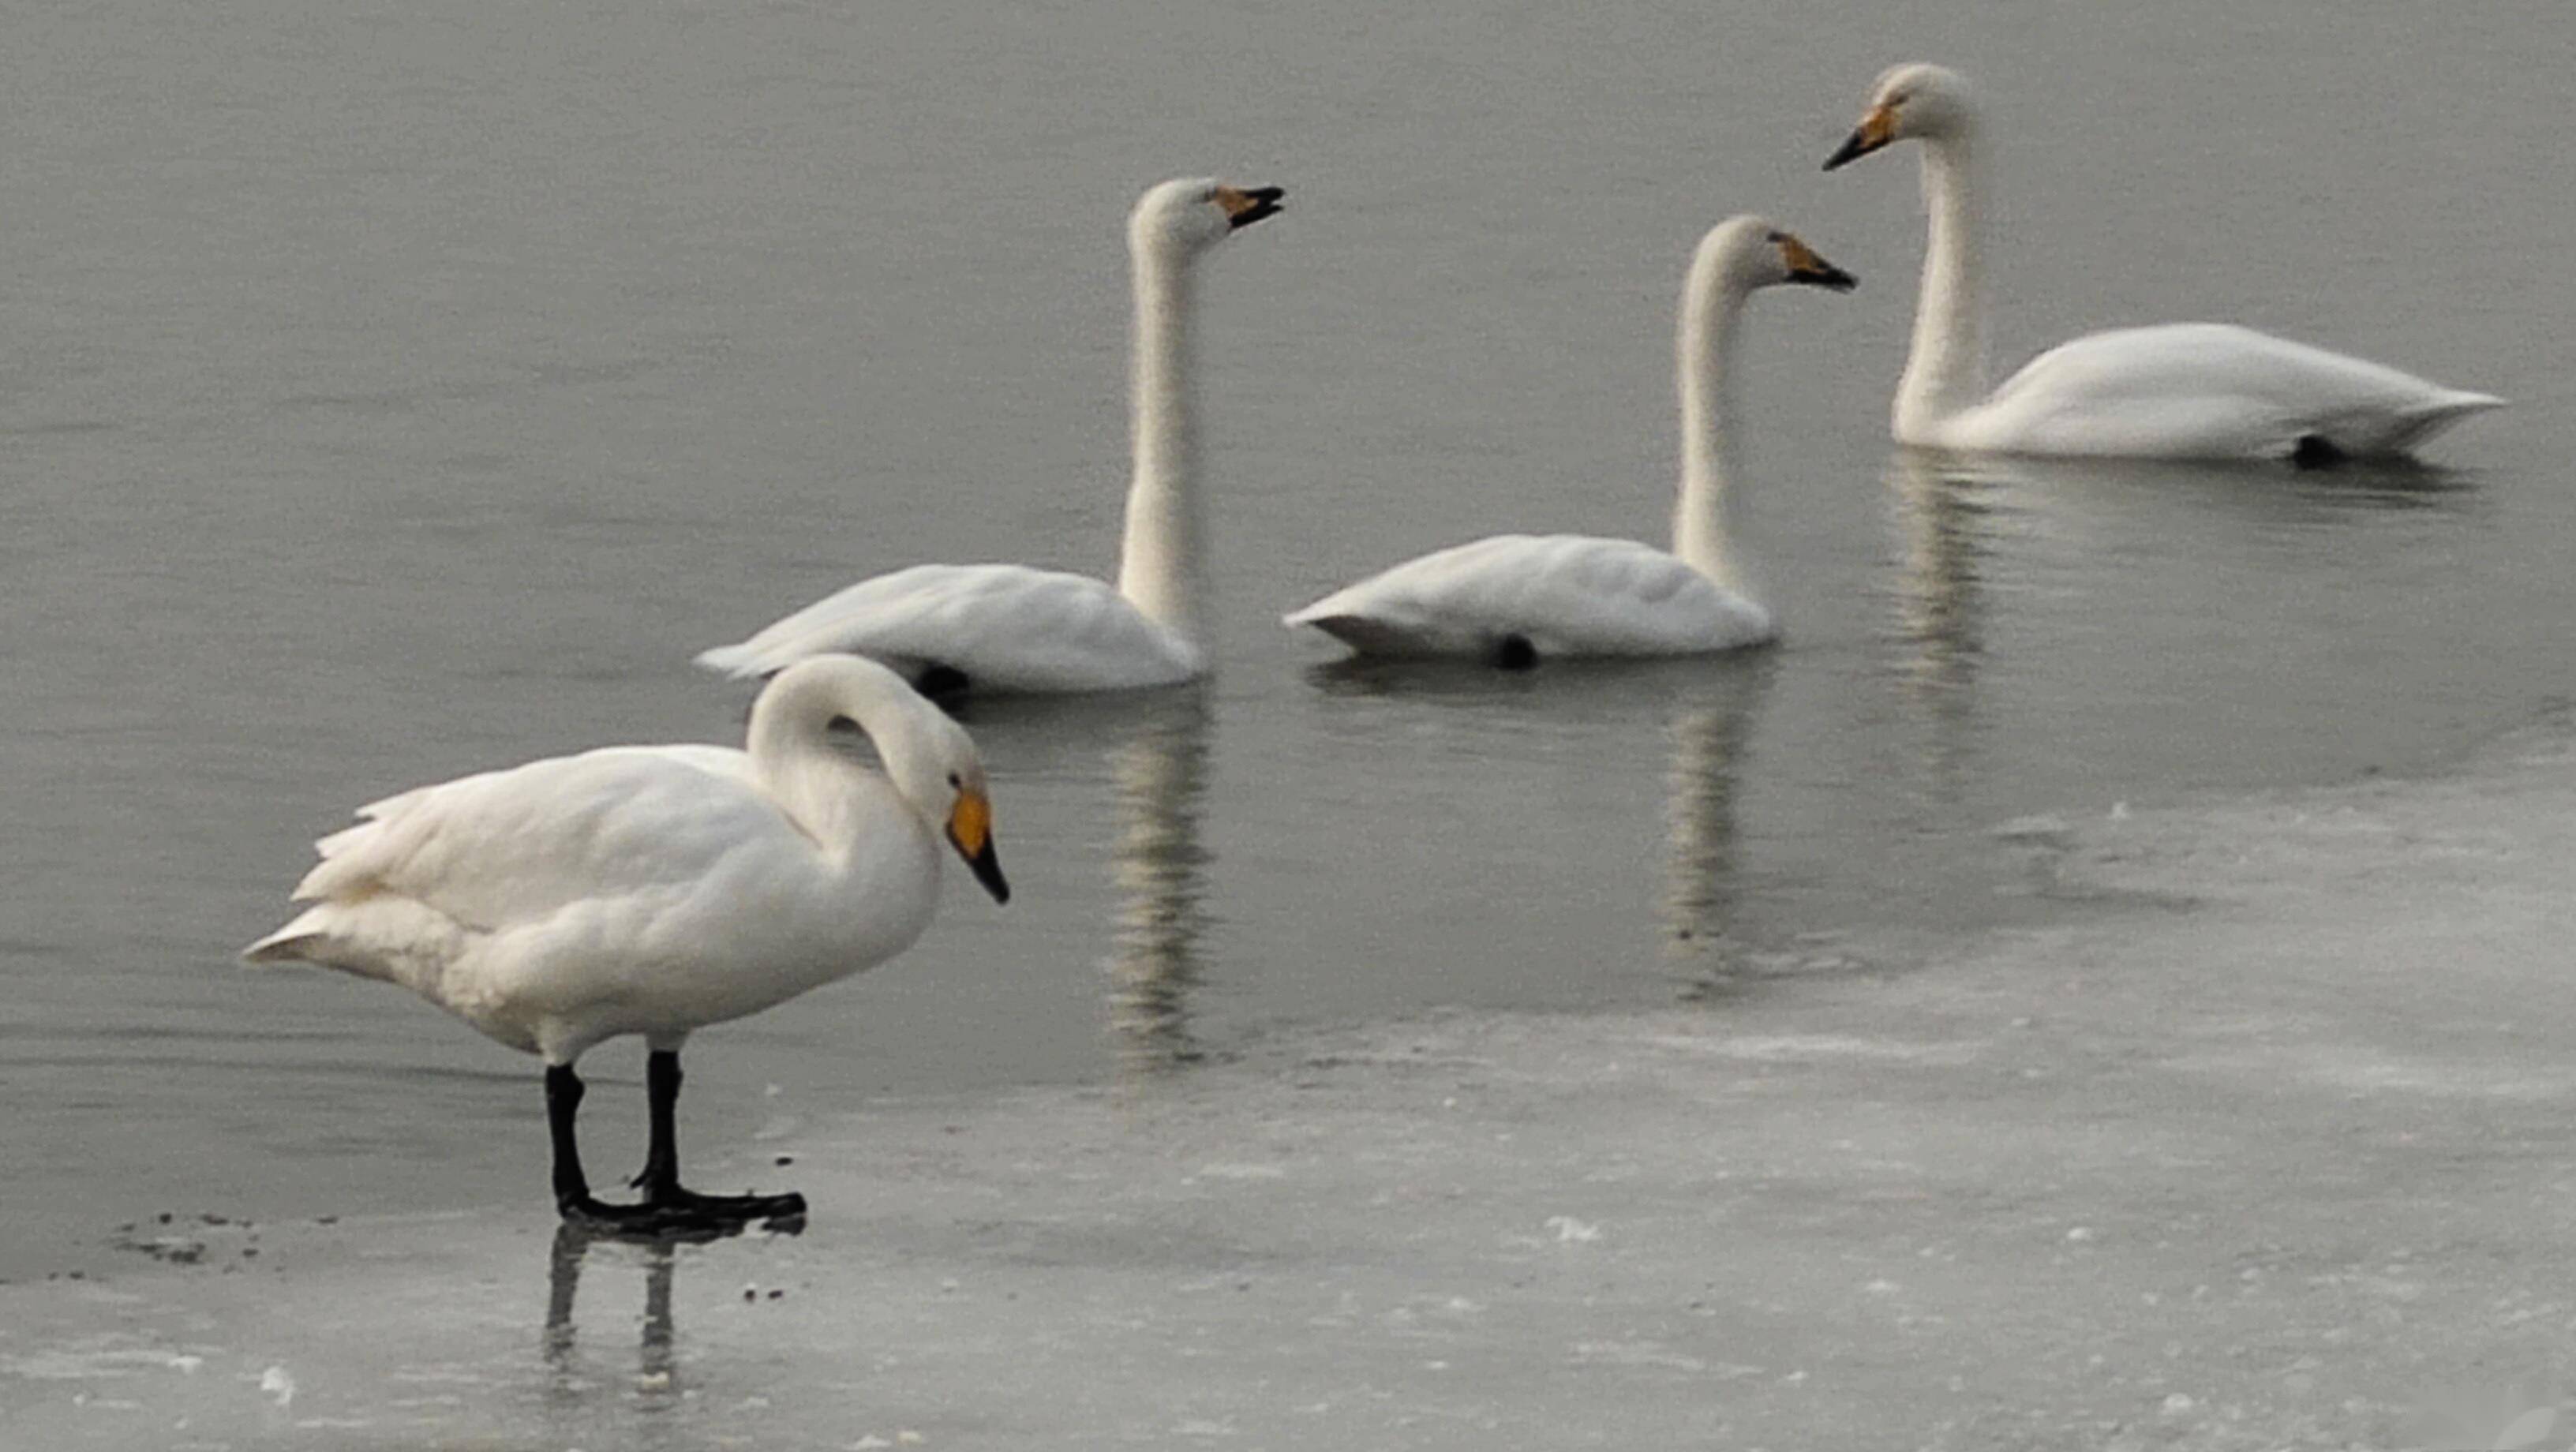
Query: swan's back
x=629 y=889
x=2205 y=390
x=1562 y=594
x=503 y=848
x=1005 y=627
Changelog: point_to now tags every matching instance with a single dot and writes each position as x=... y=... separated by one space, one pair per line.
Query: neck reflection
x=1943 y=522
x=1159 y=776
x=1704 y=938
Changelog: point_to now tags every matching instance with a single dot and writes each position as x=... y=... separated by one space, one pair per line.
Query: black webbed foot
x=941 y=683
x=677 y=1214
x=2316 y=451
x=667 y=1211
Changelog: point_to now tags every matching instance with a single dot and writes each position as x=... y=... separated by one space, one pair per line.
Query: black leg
x=2316 y=451
x=563 y=1101
x=660 y=1180
x=667 y=1211
x=662 y=1099
x=941 y=683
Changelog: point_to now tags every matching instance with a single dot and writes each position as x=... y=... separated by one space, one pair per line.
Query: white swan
x=2178 y=391
x=1012 y=628
x=654 y=890
x=1516 y=598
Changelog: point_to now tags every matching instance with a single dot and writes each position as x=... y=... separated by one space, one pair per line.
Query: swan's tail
x=385 y=937
x=1363 y=634
x=2456 y=405
x=738 y=661
x=1324 y=615
x=2414 y=425
x=289 y=944
x=2384 y=431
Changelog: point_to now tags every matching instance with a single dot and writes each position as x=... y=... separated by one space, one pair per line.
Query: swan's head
x=928 y=757
x=1919 y=100
x=1744 y=253
x=1191 y=214
x=938 y=771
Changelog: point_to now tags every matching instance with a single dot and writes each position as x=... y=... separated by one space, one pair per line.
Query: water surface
x=392 y=391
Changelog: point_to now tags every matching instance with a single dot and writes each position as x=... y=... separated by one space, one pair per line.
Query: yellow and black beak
x=970 y=828
x=1247 y=205
x=1874 y=131
x=1807 y=268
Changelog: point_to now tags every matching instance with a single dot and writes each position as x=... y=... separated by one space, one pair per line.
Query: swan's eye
x=953 y=780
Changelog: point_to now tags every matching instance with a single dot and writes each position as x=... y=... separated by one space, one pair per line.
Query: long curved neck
x=1163 y=559
x=793 y=760
x=1945 y=371
x=1702 y=536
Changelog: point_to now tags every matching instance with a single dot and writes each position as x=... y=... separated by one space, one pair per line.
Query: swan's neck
x=796 y=765
x=1702 y=519
x=1945 y=372
x=1162 y=562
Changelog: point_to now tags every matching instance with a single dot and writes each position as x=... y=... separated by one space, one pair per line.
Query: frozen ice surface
x=2268 y=1141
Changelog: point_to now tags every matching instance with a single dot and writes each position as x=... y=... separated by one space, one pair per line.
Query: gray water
x=391 y=391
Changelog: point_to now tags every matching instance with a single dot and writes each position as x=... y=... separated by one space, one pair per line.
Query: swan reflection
x=654 y=1365
x=1945 y=519
x=1159 y=776
x=1942 y=524
x=1704 y=940
x=656 y=1361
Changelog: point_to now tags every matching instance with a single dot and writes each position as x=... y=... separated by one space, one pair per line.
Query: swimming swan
x=1515 y=598
x=654 y=890
x=1012 y=628
x=2177 y=391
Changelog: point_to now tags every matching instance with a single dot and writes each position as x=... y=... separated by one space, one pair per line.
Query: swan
x=950 y=628
x=1516 y=598
x=2175 y=391
x=654 y=890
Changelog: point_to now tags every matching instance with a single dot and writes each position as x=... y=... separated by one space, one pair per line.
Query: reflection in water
x=1944 y=518
x=1940 y=519
x=655 y=1364
x=656 y=1383
x=1708 y=706
x=1703 y=880
x=2119 y=548
x=1155 y=745
x=1160 y=775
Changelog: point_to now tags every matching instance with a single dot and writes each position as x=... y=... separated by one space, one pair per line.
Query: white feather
x=2178 y=391
x=1012 y=628
x=1565 y=594
x=2203 y=391
x=1007 y=627
x=1575 y=595
x=648 y=889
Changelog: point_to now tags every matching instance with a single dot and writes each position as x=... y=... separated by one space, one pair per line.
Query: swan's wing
x=512 y=846
x=1563 y=594
x=2207 y=390
x=718 y=760
x=1004 y=626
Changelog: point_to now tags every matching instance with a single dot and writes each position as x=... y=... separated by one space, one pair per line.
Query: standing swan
x=2176 y=391
x=1515 y=598
x=654 y=890
x=1012 y=628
